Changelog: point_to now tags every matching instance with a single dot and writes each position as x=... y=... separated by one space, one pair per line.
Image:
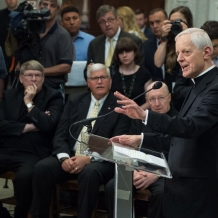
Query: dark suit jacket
x=154 y=140
x=148 y=33
x=193 y=153
x=76 y=109
x=96 y=49
x=46 y=100
x=150 y=47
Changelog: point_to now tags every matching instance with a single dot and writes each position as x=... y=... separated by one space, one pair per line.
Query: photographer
x=180 y=18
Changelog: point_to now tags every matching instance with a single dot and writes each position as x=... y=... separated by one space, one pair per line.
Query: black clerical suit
x=48 y=172
x=19 y=152
x=155 y=201
x=193 y=190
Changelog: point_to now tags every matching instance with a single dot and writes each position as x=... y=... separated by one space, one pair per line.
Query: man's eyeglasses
x=161 y=99
x=109 y=21
x=102 y=78
x=30 y=76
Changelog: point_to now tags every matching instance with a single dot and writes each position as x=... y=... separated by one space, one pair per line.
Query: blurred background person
x=141 y=19
x=4 y=25
x=130 y=79
x=71 y=21
x=211 y=28
x=127 y=22
x=180 y=18
x=156 y=19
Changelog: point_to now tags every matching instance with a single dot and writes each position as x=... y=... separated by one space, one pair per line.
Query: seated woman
x=127 y=22
x=129 y=79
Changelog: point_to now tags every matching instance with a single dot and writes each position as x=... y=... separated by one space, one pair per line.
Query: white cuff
x=60 y=155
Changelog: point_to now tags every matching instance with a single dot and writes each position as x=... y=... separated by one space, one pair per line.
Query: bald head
x=159 y=99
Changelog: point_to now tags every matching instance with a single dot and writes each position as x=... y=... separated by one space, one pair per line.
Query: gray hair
x=164 y=85
x=96 y=67
x=58 y=2
x=198 y=36
x=104 y=9
x=31 y=65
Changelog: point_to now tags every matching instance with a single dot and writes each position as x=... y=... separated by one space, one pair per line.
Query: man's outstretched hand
x=129 y=107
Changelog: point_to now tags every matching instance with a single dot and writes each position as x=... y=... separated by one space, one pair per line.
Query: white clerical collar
x=201 y=74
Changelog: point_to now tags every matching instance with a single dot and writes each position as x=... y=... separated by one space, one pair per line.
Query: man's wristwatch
x=29 y=105
x=92 y=159
x=163 y=39
x=63 y=159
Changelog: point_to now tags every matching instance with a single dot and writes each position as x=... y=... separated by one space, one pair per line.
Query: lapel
x=101 y=49
x=39 y=98
x=83 y=108
x=195 y=91
x=107 y=107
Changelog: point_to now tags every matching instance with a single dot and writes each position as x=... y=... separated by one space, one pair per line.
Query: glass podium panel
x=136 y=158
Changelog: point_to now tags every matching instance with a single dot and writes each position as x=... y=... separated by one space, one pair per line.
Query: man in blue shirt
x=71 y=21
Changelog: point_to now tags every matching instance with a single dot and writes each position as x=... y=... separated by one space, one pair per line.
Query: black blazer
x=96 y=49
x=193 y=152
x=46 y=100
x=154 y=140
x=148 y=33
x=150 y=47
x=76 y=109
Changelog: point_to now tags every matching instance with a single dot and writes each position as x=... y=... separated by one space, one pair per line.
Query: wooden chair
x=142 y=195
x=8 y=175
x=138 y=196
x=11 y=200
x=69 y=185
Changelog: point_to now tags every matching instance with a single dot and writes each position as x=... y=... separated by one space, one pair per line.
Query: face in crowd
x=11 y=4
x=159 y=99
x=141 y=20
x=126 y=57
x=109 y=24
x=71 y=22
x=156 y=22
x=52 y=6
x=99 y=83
x=30 y=77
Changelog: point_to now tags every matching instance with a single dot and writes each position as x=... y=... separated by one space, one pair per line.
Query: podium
x=126 y=160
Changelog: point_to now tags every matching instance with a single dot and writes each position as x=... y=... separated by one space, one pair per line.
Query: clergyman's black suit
x=155 y=201
x=193 y=190
x=48 y=172
x=19 y=152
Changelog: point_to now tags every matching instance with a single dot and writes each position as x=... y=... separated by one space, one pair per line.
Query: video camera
x=27 y=20
x=176 y=27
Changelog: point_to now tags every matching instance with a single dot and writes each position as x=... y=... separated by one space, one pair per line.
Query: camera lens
x=176 y=28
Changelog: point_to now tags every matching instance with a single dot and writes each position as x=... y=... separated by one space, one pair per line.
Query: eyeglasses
x=109 y=21
x=161 y=99
x=102 y=78
x=30 y=76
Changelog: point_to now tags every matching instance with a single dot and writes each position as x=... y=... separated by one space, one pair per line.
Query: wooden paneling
x=93 y=5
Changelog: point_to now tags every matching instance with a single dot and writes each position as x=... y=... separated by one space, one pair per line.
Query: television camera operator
x=43 y=39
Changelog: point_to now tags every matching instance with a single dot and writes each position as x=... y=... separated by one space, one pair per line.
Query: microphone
x=157 y=85
x=88 y=121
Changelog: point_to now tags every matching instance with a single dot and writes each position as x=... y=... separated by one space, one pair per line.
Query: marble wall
x=202 y=10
